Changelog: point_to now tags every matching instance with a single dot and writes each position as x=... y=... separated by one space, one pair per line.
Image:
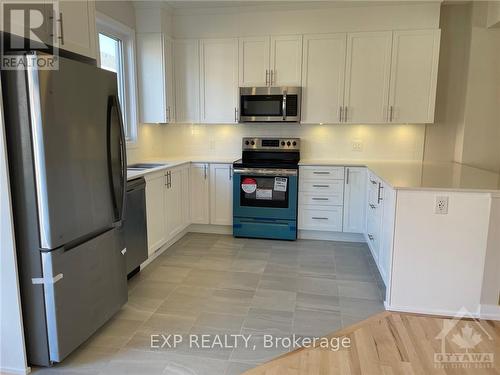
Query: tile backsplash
x=377 y=142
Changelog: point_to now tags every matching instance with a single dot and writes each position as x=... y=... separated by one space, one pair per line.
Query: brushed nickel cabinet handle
x=347 y=176
x=316 y=172
x=319 y=199
x=267 y=77
x=391 y=113
x=321 y=186
x=319 y=218
x=61 y=22
x=340 y=113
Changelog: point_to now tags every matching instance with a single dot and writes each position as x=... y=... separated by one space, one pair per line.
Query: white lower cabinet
x=354 y=199
x=174 y=207
x=155 y=210
x=199 y=193
x=167 y=205
x=321 y=191
x=221 y=194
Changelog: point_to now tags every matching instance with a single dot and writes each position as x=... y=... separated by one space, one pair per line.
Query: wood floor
x=395 y=343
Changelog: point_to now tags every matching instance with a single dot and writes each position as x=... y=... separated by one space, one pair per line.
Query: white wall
x=12 y=349
x=380 y=142
x=468 y=94
x=299 y=19
x=490 y=296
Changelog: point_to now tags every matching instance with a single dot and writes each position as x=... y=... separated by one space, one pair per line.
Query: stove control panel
x=270 y=144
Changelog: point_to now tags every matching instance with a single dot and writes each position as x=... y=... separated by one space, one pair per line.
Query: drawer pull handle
x=320 y=199
x=370 y=237
x=373 y=182
x=321 y=186
x=315 y=172
x=373 y=206
x=319 y=218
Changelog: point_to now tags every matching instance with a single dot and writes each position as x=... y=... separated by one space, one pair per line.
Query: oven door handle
x=266 y=172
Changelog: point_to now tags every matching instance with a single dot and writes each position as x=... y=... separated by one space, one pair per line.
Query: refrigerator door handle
x=119 y=204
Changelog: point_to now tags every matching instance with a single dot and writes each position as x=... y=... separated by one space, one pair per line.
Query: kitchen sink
x=144 y=166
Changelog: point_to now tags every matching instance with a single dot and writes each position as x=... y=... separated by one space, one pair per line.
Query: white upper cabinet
x=187 y=80
x=323 y=75
x=254 y=61
x=415 y=55
x=168 y=58
x=199 y=193
x=76 y=27
x=219 y=80
x=354 y=200
x=367 y=77
x=221 y=194
x=155 y=79
x=286 y=60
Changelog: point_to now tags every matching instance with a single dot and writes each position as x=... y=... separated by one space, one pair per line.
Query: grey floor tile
x=258 y=350
x=217 y=263
x=359 y=289
x=170 y=274
x=222 y=321
x=316 y=323
x=262 y=321
x=190 y=365
x=362 y=308
x=276 y=282
x=274 y=300
x=205 y=278
x=231 y=301
x=237 y=368
x=316 y=285
x=169 y=324
x=317 y=302
x=240 y=280
x=153 y=289
x=248 y=265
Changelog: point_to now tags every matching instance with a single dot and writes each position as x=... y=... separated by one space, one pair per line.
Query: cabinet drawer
x=322 y=173
x=322 y=187
x=321 y=200
x=319 y=218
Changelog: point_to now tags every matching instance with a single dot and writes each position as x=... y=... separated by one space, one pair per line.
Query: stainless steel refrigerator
x=67 y=163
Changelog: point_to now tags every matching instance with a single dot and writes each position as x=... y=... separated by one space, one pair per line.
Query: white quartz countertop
x=424 y=175
x=175 y=162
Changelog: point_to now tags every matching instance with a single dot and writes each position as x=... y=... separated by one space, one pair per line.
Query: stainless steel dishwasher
x=135 y=225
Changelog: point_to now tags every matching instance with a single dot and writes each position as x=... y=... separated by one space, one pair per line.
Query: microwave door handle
x=283 y=105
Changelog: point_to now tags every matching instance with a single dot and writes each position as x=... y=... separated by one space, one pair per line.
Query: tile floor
x=220 y=285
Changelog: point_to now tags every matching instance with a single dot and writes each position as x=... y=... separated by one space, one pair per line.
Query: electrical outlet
x=357 y=145
x=441 y=205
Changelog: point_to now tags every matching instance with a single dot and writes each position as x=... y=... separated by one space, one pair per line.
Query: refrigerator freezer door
x=74 y=148
x=83 y=288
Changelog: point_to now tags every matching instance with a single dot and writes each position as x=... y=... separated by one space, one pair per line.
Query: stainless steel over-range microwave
x=270 y=104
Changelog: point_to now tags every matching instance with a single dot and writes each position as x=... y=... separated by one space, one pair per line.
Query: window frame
x=117 y=30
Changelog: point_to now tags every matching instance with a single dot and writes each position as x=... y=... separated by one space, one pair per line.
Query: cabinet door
x=254 y=61
x=323 y=73
x=187 y=80
x=168 y=59
x=355 y=200
x=186 y=216
x=76 y=27
x=221 y=194
x=173 y=203
x=286 y=60
x=387 y=233
x=155 y=211
x=367 y=77
x=151 y=78
x=199 y=194
x=414 y=68
x=219 y=80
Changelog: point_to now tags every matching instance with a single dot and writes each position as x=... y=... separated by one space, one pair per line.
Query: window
x=117 y=54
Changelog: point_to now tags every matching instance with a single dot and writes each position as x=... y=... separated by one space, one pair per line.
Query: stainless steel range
x=265 y=189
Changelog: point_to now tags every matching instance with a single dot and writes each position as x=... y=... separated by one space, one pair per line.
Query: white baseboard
x=330 y=236
x=438 y=312
x=210 y=228
x=10 y=370
x=490 y=312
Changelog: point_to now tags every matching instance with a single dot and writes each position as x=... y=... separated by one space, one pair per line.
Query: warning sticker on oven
x=249 y=185
x=264 y=194
x=280 y=183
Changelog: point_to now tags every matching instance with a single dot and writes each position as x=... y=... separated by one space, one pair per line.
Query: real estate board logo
x=29 y=37
x=462 y=341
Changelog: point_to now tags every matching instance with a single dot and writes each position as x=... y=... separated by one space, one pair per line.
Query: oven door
x=265 y=193
x=269 y=104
